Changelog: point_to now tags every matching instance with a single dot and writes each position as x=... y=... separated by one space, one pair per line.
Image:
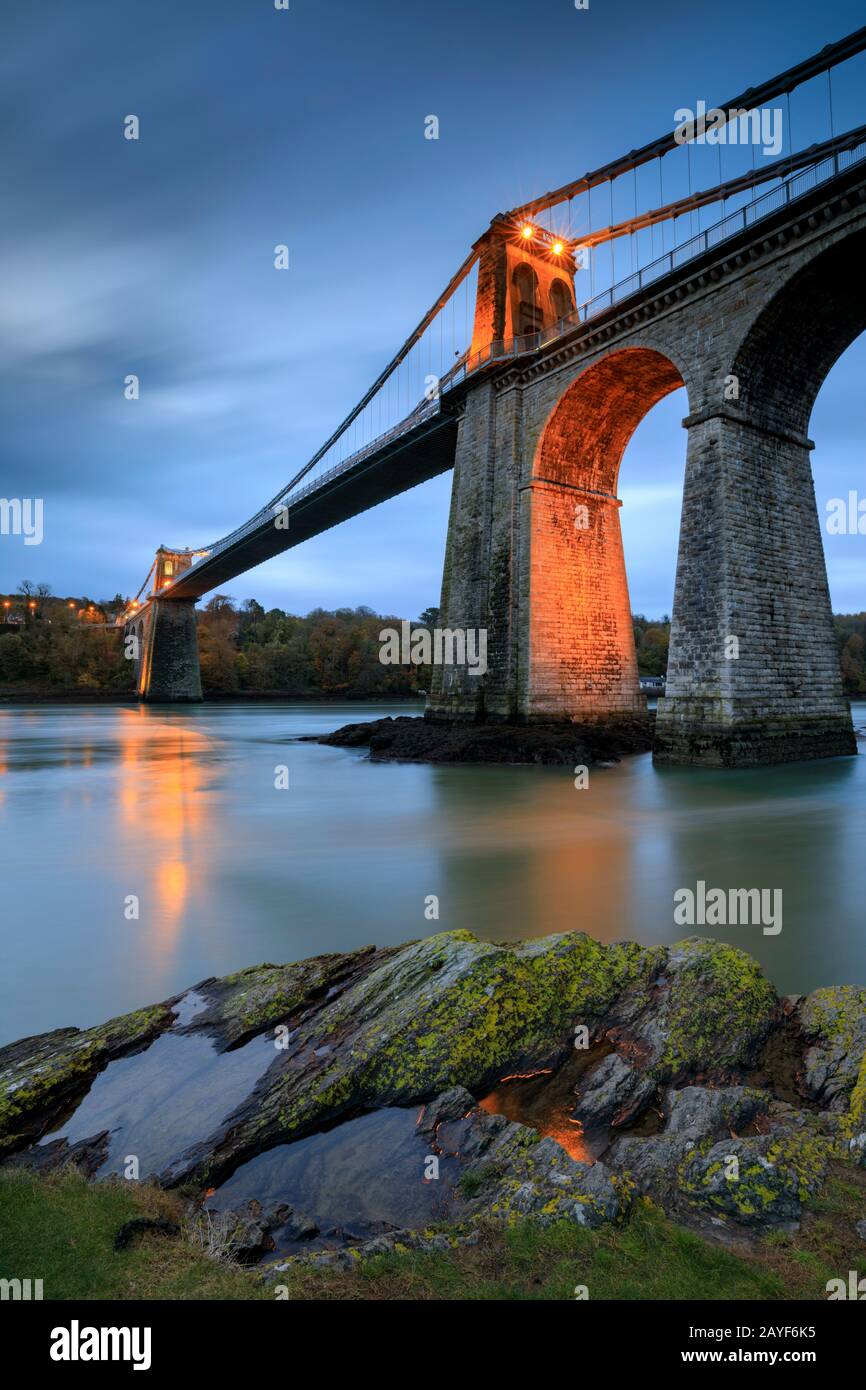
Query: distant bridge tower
x=167 y=665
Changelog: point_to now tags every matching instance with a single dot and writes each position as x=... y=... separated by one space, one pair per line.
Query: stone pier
x=169 y=666
x=534 y=553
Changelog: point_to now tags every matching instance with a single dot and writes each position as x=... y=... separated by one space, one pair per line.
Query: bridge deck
x=424 y=444
x=411 y=458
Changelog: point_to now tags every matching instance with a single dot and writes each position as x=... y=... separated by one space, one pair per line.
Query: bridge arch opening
x=838 y=425
x=581 y=661
x=819 y=393
x=561 y=299
x=794 y=342
x=527 y=316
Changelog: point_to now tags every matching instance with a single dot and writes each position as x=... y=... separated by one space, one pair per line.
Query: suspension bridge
x=569 y=318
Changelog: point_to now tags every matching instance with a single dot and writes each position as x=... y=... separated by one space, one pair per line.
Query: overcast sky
x=306 y=127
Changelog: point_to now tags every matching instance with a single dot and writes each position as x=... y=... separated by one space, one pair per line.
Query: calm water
x=364 y=1172
x=178 y=806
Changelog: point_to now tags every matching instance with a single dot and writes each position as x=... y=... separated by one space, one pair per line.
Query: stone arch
x=581 y=661
x=586 y=433
x=787 y=353
x=561 y=298
x=753 y=670
x=527 y=313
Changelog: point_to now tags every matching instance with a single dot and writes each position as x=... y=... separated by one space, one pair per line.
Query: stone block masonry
x=534 y=551
x=168 y=664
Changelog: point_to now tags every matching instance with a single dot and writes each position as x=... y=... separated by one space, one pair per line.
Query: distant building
x=652 y=683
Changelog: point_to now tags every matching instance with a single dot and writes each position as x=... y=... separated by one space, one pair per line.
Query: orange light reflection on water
x=554 y=1124
x=163 y=810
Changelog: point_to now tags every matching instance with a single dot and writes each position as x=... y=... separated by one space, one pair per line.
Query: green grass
x=649 y=1258
x=61 y=1229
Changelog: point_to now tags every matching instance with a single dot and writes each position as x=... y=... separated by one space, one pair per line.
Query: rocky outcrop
x=240 y=1006
x=730 y=1152
x=418 y=740
x=510 y=1171
x=676 y=1077
x=449 y=1010
x=40 y=1077
x=250 y=1233
x=834 y=1067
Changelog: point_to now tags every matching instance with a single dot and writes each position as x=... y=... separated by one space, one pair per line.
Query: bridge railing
x=729 y=226
x=425 y=410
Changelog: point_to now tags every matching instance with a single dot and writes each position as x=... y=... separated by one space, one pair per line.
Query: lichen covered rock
x=729 y=1154
x=510 y=1172
x=241 y=1005
x=40 y=1076
x=834 y=1071
x=448 y=1010
x=759 y=1181
x=674 y=1034
x=709 y=1010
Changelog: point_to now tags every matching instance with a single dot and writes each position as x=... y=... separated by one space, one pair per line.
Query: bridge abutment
x=753 y=672
x=168 y=664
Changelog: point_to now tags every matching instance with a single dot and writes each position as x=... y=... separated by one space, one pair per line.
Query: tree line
x=54 y=644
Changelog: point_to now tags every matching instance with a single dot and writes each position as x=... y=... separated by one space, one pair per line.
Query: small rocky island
x=421 y=740
x=553 y=1079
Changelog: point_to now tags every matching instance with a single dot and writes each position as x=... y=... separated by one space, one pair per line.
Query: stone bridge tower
x=167 y=665
x=749 y=329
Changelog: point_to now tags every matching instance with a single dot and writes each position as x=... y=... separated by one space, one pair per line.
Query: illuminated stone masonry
x=165 y=648
x=534 y=551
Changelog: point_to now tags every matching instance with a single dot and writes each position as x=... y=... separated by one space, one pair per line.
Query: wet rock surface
x=711 y=1095
x=40 y=1077
x=87 y=1155
x=408 y=739
x=509 y=1170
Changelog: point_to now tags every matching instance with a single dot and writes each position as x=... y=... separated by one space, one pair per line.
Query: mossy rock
x=834 y=1021
x=41 y=1075
x=759 y=1180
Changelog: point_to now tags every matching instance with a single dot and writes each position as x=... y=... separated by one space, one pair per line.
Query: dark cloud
x=155 y=257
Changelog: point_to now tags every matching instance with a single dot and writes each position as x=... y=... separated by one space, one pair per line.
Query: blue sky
x=307 y=127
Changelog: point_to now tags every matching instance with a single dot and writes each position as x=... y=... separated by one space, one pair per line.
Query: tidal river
x=146 y=848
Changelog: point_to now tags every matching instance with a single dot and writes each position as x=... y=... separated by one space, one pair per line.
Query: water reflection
x=164 y=776
x=354 y=1179
x=545 y=1100
x=159 y=1102
x=177 y=806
